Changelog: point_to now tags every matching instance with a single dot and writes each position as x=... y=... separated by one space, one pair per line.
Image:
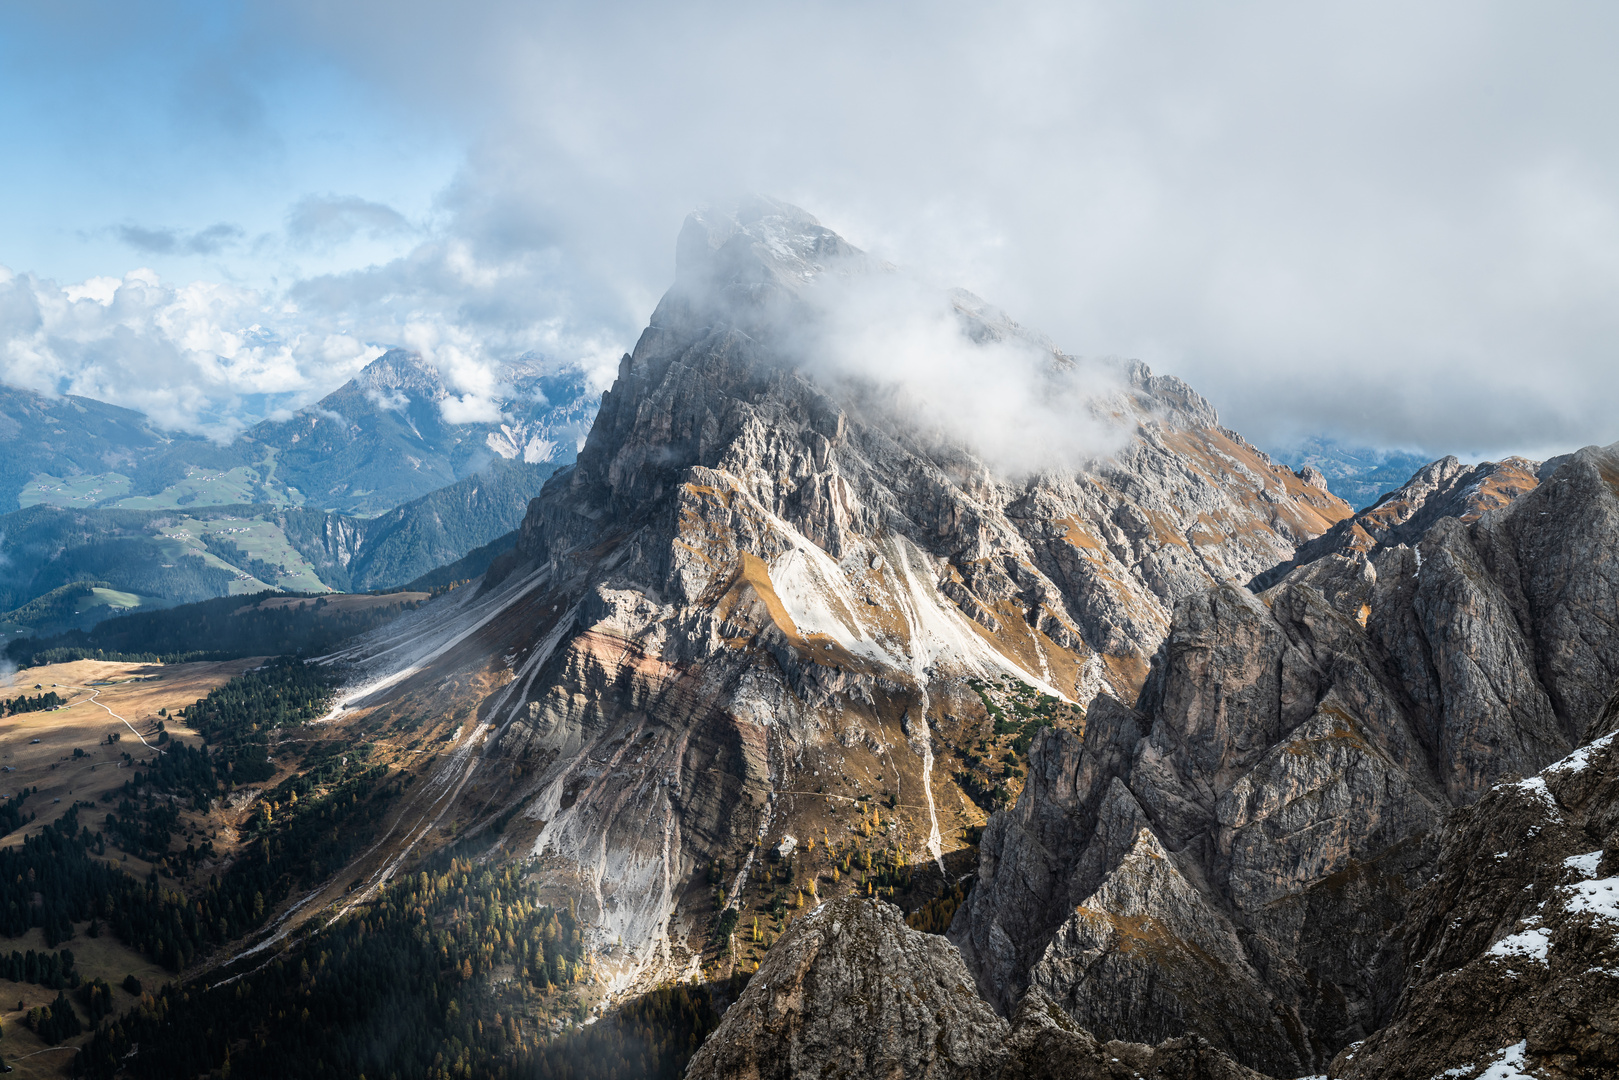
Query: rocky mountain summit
x=786 y=637
x=766 y=597
x=399 y=430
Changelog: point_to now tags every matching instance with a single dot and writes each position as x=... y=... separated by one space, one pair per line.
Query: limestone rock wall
x=1293 y=757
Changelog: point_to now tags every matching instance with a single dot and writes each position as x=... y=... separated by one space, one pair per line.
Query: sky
x=1393 y=224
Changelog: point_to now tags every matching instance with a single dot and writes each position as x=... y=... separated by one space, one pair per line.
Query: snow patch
x=1536 y=788
x=1510 y=1065
x=1584 y=865
x=1600 y=898
x=1580 y=758
x=1531 y=944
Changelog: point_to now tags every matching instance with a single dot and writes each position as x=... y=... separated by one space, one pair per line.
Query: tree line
x=223 y=628
x=38 y=703
x=404 y=986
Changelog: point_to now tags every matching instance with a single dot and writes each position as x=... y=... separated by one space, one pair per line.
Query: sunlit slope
x=762 y=605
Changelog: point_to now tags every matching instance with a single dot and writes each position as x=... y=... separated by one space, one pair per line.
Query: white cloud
x=99 y=289
x=1006 y=395
x=190 y=354
x=185 y=355
x=1380 y=218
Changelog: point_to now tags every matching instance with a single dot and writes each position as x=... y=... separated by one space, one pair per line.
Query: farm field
x=92 y=489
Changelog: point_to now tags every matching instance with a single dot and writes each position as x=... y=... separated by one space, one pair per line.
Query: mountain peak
x=399 y=370
x=744 y=256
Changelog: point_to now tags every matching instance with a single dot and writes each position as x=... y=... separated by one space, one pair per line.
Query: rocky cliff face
x=749 y=645
x=1440 y=489
x=1512 y=948
x=850 y=990
x=1239 y=850
x=758 y=603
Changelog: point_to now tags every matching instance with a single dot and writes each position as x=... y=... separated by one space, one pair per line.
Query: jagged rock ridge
x=1440 y=489
x=1511 y=950
x=850 y=990
x=1235 y=855
x=757 y=593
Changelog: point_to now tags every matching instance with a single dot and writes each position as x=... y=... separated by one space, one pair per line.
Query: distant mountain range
x=1359 y=475
x=367 y=489
x=375 y=443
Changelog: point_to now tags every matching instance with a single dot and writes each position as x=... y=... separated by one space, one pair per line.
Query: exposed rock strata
x=756 y=587
x=1289 y=762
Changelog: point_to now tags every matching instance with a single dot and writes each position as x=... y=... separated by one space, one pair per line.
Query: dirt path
x=95 y=694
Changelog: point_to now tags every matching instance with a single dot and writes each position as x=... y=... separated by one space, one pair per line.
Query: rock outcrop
x=1440 y=489
x=759 y=594
x=850 y=990
x=1285 y=772
x=1512 y=949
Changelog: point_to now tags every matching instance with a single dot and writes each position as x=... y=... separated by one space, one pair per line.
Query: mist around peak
x=938 y=363
x=957 y=372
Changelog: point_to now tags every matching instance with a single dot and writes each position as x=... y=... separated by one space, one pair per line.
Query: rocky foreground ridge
x=1510 y=959
x=760 y=599
x=770 y=612
x=1238 y=855
x=851 y=990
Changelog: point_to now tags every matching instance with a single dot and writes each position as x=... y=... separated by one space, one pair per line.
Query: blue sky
x=1393 y=223
x=159 y=122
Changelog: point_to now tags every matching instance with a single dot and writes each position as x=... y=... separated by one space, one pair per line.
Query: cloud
x=396 y=401
x=151 y=241
x=187 y=355
x=1391 y=222
x=960 y=372
x=211 y=358
x=1383 y=220
x=467 y=308
x=939 y=364
x=207 y=241
x=334 y=219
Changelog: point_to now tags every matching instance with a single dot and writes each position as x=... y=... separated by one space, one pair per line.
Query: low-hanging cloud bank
x=1394 y=222
x=210 y=358
x=959 y=373
x=1385 y=220
x=191 y=357
x=937 y=365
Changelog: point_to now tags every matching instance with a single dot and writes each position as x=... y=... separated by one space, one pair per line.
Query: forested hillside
x=261 y=624
x=69 y=569
x=460 y=967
